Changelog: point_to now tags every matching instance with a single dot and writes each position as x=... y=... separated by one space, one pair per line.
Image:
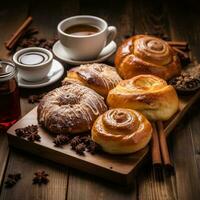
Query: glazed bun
x=97 y=76
x=146 y=93
x=71 y=108
x=121 y=131
x=143 y=54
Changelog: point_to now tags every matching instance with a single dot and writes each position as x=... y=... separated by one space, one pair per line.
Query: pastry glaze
x=142 y=54
x=146 y=93
x=121 y=131
x=71 y=108
x=97 y=76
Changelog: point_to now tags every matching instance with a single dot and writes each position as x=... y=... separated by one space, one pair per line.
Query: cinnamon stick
x=155 y=148
x=181 y=53
x=19 y=32
x=178 y=44
x=163 y=145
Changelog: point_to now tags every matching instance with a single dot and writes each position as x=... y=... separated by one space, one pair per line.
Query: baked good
x=148 y=94
x=97 y=76
x=142 y=54
x=71 y=108
x=121 y=131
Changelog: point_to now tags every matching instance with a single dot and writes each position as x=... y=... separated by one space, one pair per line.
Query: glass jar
x=9 y=95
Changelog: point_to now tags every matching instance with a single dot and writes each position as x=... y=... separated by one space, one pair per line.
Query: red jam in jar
x=9 y=95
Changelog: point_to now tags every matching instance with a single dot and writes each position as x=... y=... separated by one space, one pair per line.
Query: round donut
x=71 y=108
x=121 y=131
x=97 y=76
x=143 y=54
x=145 y=93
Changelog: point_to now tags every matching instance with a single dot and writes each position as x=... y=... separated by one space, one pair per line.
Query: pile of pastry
x=117 y=103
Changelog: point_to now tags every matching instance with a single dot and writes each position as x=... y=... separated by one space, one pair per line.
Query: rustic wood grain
x=111 y=167
x=82 y=186
x=119 y=14
x=139 y=17
x=20 y=162
x=8 y=11
x=150 y=17
x=186 y=143
x=45 y=18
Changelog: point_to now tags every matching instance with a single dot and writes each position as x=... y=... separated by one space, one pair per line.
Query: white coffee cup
x=85 y=47
x=33 y=63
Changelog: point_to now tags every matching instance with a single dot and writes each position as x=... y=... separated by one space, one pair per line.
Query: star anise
x=75 y=141
x=61 y=140
x=40 y=177
x=29 y=132
x=33 y=137
x=93 y=147
x=12 y=180
x=80 y=148
x=86 y=139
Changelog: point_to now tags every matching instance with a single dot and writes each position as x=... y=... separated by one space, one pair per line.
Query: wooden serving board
x=117 y=168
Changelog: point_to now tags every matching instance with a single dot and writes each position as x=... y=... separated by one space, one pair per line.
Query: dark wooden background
x=180 y=21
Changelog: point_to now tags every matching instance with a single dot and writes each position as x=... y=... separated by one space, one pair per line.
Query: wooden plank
x=186 y=143
x=7 y=27
x=186 y=159
x=107 y=166
x=114 y=168
x=27 y=166
x=45 y=17
x=81 y=186
x=150 y=17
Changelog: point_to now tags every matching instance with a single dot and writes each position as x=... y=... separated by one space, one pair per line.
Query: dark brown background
x=179 y=21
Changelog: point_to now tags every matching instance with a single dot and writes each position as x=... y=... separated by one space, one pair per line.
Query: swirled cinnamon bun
x=146 y=93
x=71 y=108
x=121 y=131
x=97 y=76
x=142 y=54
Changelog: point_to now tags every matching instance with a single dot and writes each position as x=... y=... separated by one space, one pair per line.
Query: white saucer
x=54 y=74
x=61 y=53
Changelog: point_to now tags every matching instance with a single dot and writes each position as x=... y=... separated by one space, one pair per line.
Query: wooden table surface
x=180 y=22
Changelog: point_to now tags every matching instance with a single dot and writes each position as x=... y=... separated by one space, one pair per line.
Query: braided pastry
x=146 y=93
x=121 y=131
x=142 y=54
x=71 y=108
x=97 y=76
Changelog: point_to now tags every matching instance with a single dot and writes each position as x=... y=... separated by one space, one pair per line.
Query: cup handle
x=112 y=32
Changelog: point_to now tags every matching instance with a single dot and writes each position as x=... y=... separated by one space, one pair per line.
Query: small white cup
x=29 y=69
x=85 y=47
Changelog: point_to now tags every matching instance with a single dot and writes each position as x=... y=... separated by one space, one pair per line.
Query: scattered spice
x=93 y=147
x=29 y=132
x=35 y=98
x=12 y=179
x=75 y=141
x=80 y=148
x=40 y=177
x=188 y=81
x=29 y=39
x=78 y=143
x=61 y=140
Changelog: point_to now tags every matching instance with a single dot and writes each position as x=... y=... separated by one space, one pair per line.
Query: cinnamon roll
x=121 y=131
x=71 y=108
x=97 y=76
x=142 y=54
x=146 y=93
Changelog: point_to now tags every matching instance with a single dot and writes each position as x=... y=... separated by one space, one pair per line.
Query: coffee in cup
x=83 y=37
